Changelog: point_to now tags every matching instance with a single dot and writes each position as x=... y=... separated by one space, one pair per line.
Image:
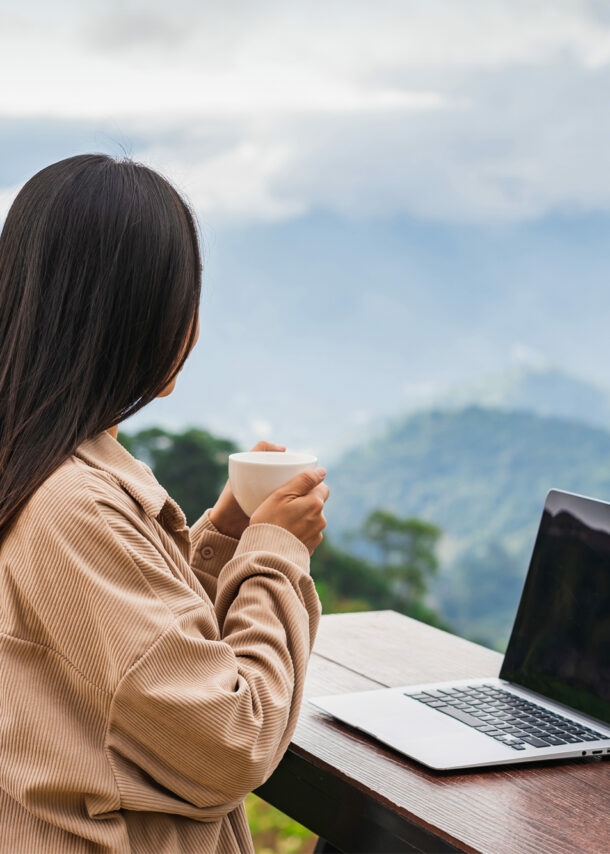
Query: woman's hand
x=226 y=515
x=297 y=506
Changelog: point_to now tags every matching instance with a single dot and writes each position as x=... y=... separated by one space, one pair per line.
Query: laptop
x=552 y=697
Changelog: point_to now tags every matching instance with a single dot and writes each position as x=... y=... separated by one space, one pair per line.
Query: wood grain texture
x=392 y=649
x=554 y=808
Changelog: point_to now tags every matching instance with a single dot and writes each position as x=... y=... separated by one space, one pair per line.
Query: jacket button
x=207 y=552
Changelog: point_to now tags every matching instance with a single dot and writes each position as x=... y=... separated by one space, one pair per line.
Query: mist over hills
x=476 y=472
x=540 y=389
x=482 y=475
x=316 y=330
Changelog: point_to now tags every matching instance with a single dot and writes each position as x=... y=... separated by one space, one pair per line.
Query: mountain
x=537 y=388
x=475 y=469
x=481 y=474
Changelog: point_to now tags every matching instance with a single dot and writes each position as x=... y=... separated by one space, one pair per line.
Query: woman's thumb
x=303 y=483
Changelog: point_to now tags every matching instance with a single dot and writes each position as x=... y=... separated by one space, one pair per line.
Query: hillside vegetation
x=482 y=476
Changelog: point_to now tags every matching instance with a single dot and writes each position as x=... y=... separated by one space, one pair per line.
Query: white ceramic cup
x=254 y=475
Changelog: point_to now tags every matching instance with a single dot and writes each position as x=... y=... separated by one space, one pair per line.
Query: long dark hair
x=100 y=278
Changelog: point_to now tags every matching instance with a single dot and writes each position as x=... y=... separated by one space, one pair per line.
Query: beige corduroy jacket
x=150 y=676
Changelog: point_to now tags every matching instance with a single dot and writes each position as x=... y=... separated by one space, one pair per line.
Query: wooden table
x=363 y=797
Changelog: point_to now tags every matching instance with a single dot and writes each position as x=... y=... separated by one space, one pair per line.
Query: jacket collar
x=107 y=454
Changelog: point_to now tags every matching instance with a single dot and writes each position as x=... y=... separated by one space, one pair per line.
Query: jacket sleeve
x=200 y=720
x=211 y=550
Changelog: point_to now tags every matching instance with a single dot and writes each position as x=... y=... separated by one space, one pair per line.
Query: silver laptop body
x=552 y=697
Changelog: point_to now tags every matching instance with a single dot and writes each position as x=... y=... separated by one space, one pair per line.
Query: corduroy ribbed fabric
x=150 y=676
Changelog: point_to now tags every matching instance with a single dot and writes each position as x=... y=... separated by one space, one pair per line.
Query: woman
x=151 y=675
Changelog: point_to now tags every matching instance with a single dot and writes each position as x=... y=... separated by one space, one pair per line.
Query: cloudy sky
x=451 y=109
x=476 y=114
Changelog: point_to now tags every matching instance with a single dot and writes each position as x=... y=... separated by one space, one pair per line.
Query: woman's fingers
x=268 y=446
x=298 y=506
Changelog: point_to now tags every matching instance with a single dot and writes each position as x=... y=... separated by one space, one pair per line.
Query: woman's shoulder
x=72 y=485
x=75 y=495
x=82 y=519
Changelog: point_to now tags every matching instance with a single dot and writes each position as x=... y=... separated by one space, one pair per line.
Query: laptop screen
x=560 y=643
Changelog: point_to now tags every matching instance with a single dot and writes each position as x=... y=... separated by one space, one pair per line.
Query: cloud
x=525 y=356
x=127 y=29
x=235 y=184
x=483 y=110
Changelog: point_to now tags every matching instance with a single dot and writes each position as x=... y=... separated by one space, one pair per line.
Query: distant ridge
x=473 y=469
x=543 y=390
x=482 y=474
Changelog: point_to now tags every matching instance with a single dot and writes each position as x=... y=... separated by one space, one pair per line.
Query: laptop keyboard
x=506 y=717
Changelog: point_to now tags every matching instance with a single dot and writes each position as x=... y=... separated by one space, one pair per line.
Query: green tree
x=191 y=465
x=405 y=550
x=348 y=583
x=405 y=554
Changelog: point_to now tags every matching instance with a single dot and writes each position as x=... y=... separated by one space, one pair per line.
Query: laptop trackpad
x=430 y=736
x=414 y=729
